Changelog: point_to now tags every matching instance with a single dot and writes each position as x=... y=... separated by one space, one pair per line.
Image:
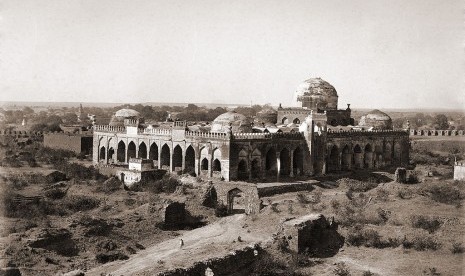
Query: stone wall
x=225 y=192
x=434 y=132
x=77 y=143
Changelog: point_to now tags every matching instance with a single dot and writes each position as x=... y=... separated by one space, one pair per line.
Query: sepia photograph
x=232 y=137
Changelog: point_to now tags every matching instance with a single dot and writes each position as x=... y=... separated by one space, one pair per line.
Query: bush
x=443 y=194
x=405 y=194
x=357 y=185
x=109 y=186
x=341 y=269
x=302 y=198
x=382 y=194
x=457 y=248
x=370 y=238
x=167 y=184
x=421 y=243
x=55 y=193
x=78 y=203
x=430 y=224
x=368 y=273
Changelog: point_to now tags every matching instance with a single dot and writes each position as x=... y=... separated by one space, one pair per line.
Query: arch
x=387 y=152
x=190 y=160
x=121 y=152
x=131 y=150
x=242 y=170
x=285 y=162
x=358 y=157
x=216 y=166
x=298 y=161
x=204 y=152
x=255 y=168
x=397 y=153
x=177 y=158
x=204 y=164
x=153 y=153
x=216 y=154
x=142 y=151
x=102 y=153
x=271 y=164
x=368 y=157
x=111 y=153
x=296 y=121
x=333 y=161
x=346 y=158
x=165 y=156
x=236 y=201
x=285 y=121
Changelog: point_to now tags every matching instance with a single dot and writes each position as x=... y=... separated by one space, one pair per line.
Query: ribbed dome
x=233 y=121
x=376 y=119
x=316 y=93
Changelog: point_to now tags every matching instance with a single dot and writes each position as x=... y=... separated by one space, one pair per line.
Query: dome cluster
x=376 y=119
x=316 y=93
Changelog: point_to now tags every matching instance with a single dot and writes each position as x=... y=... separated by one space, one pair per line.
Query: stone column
x=291 y=174
x=159 y=155
x=278 y=167
x=171 y=158
x=210 y=165
x=183 y=156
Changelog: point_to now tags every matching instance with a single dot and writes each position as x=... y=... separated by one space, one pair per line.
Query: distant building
x=459 y=170
x=79 y=143
x=314 y=138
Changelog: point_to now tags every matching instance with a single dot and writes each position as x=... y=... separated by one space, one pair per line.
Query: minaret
x=79 y=113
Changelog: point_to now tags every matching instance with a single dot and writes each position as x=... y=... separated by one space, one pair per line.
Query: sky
x=376 y=53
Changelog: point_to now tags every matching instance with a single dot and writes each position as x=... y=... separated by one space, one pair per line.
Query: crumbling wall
x=174 y=214
x=459 y=171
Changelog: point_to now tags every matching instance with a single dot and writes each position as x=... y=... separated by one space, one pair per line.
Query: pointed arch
x=190 y=160
x=216 y=166
x=368 y=157
x=358 y=157
x=102 y=153
x=242 y=170
x=333 y=160
x=271 y=162
x=204 y=164
x=284 y=160
x=298 y=161
x=121 y=152
x=153 y=152
x=177 y=158
x=346 y=158
x=111 y=153
x=285 y=121
x=142 y=151
x=165 y=156
x=131 y=150
x=296 y=121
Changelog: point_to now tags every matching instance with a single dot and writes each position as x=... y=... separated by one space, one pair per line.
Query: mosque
x=312 y=138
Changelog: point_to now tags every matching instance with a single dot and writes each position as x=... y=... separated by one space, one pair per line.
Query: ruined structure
x=459 y=170
x=314 y=138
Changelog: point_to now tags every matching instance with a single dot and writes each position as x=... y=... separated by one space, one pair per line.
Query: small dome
x=316 y=93
x=376 y=119
x=122 y=114
x=233 y=121
x=127 y=113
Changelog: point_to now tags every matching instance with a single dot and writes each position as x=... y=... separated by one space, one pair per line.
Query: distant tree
x=441 y=121
x=28 y=111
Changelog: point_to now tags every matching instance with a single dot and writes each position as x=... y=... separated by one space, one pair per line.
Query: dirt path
x=202 y=243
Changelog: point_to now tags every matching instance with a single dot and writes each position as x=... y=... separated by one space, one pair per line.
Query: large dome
x=376 y=119
x=316 y=93
x=233 y=121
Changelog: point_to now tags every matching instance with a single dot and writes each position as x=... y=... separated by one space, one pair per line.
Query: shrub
x=457 y=248
x=302 y=198
x=167 y=184
x=109 y=186
x=368 y=273
x=55 y=193
x=444 y=194
x=341 y=269
x=357 y=185
x=335 y=204
x=274 y=208
x=370 y=238
x=80 y=203
x=382 y=194
x=430 y=224
x=405 y=194
x=421 y=243
x=383 y=214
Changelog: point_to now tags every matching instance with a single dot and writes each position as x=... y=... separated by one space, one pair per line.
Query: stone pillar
x=278 y=167
x=171 y=159
x=291 y=154
x=183 y=166
x=159 y=156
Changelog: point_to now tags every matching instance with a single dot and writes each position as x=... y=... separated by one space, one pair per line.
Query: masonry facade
x=318 y=139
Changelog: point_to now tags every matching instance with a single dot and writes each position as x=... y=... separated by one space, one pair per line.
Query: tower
x=315 y=131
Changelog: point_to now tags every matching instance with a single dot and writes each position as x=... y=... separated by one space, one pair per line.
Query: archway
x=177 y=158
x=131 y=150
x=346 y=158
x=111 y=153
x=236 y=201
x=190 y=160
x=284 y=160
x=153 y=153
x=271 y=162
x=388 y=153
x=358 y=157
x=333 y=161
x=216 y=165
x=298 y=162
x=121 y=152
x=242 y=170
x=102 y=153
x=378 y=157
x=255 y=168
x=368 y=157
x=296 y=121
x=285 y=121
x=142 y=151
x=165 y=157
x=397 y=153
x=204 y=164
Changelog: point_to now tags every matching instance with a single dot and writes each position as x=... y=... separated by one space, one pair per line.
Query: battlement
x=356 y=133
x=108 y=128
x=214 y=135
x=268 y=136
x=21 y=133
x=434 y=132
x=157 y=131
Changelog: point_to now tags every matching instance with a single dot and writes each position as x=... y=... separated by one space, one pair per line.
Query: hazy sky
x=377 y=54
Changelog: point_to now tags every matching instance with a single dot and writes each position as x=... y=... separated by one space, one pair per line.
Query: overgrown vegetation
x=430 y=224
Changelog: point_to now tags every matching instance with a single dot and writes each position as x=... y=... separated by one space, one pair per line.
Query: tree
x=441 y=122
